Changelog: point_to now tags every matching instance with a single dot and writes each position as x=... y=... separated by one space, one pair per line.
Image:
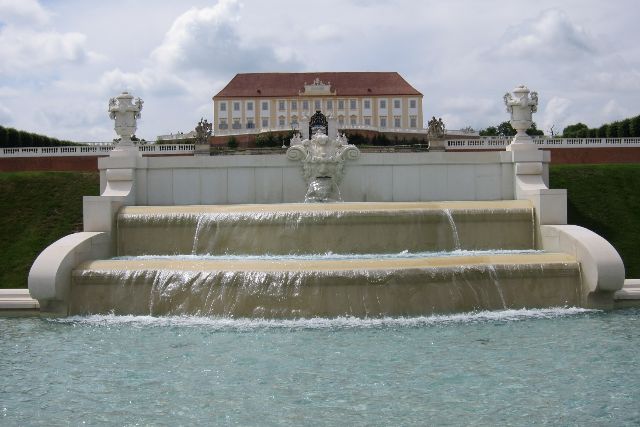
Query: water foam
x=338 y=323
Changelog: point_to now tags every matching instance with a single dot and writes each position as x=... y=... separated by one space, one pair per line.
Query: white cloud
x=550 y=36
x=612 y=110
x=23 y=12
x=556 y=114
x=148 y=80
x=5 y=115
x=26 y=50
x=208 y=40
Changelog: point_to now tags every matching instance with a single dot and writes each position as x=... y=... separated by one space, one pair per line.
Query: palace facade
x=254 y=102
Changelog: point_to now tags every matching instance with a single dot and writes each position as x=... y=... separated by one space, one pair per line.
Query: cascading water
x=306 y=260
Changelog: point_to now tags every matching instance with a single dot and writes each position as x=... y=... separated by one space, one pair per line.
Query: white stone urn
x=124 y=110
x=521 y=105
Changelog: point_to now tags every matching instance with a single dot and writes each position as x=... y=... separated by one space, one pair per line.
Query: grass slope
x=606 y=200
x=38 y=208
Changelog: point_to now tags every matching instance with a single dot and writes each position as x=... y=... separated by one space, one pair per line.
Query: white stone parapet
x=93 y=150
x=500 y=143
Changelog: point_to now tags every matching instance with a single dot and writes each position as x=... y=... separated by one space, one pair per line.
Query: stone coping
x=296 y=265
x=327 y=207
x=630 y=290
x=17 y=299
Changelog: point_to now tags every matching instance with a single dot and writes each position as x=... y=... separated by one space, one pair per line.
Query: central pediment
x=317 y=88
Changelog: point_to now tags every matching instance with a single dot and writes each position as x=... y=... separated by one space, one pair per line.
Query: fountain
x=418 y=233
x=323 y=164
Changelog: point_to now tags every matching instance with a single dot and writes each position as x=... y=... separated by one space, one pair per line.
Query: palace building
x=254 y=102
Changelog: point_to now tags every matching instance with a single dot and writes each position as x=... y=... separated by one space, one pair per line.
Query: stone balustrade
x=499 y=143
x=92 y=150
x=480 y=144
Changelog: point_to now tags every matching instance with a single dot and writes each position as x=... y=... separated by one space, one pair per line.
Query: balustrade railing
x=499 y=143
x=483 y=143
x=93 y=150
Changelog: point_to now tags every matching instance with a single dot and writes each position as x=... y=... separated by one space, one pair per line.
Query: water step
x=319 y=228
x=326 y=288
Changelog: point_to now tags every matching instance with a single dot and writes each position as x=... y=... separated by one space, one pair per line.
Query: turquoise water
x=556 y=366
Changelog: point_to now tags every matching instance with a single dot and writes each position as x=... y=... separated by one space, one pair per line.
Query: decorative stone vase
x=521 y=106
x=125 y=111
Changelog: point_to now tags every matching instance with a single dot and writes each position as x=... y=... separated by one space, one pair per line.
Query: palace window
x=236 y=106
x=265 y=106
x=281 y=121
x=281 y=106
x=294 y=105
x=396 y=103
x=223 y=106
x=353 y=120
x=352 y=104
x=249 y=106
x=222 y=124
x=329 y=104
x=318 y=105
x=294 y=120
x=305 y=105
x=383 y=122
x=367 y=104
x=341 y=120
x=367 y=120
x=236 y=124
x=265 y=122
x=383 y=104
x=413 y=121
x=412 y=103
x=341 y=104
x=396 y=121
x=250 y=124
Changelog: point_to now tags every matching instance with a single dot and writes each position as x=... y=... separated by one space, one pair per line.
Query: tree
x=624 y=130
x=13 y=138
x=534 y=131
x=635 y=126
x=505 y=129
x=232 y=143
x=490 y=131
x=603 y=131
x=571 y=131
x=266 y=140
x=612 y=130
x=3 y=136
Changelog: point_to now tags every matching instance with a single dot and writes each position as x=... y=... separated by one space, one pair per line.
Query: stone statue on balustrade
x=436 y=127
x=203 y=131
x=435 y=133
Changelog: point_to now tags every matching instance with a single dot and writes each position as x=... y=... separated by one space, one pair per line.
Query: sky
x=61 y=61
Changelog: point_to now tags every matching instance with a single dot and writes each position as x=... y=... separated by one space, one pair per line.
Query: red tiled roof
x=290 y=84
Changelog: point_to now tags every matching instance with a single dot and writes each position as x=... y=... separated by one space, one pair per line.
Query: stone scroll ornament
x=323 y=160
x=521 y=106
x=125 y=111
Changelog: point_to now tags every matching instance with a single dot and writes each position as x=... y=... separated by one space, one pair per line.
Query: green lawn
x=37 y=208
x=606 y=200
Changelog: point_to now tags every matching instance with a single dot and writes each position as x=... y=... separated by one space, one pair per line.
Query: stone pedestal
x=202 y=150
x=438 y=143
